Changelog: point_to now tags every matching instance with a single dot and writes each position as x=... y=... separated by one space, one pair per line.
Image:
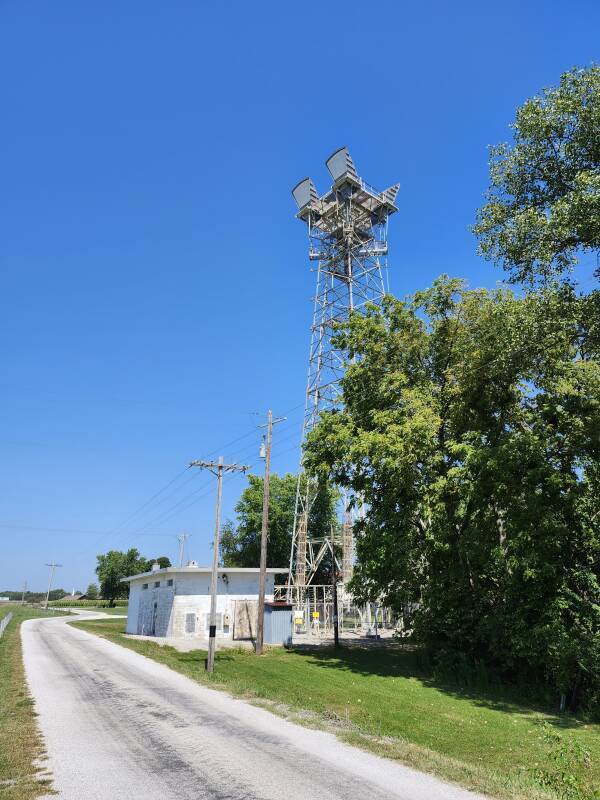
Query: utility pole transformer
x=347 y=237
x=217 y=468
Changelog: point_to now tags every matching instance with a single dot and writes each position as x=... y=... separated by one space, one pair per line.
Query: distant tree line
x=35 y=597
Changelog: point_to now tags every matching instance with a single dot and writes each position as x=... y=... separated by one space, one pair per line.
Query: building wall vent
x=190 y=622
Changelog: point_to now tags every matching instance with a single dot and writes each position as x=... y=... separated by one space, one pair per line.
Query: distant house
x=174 y=602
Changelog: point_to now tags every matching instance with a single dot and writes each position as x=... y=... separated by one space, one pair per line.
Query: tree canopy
x=115 y=565
x=92 y=591
x=240 y=540
x=543 y=204
x=471 y=426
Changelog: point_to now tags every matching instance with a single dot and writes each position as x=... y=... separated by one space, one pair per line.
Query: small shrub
x=567 y=759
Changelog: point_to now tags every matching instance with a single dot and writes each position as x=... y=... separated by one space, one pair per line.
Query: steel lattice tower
x=347 y=234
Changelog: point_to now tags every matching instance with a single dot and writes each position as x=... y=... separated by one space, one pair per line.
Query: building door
x=153 y=628
x=244 y=623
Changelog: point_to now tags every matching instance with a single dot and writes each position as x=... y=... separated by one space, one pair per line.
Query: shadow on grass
x=405 y=661
x=390 y=660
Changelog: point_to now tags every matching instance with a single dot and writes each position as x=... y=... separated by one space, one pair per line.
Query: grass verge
x=380 y=700
x=21 y=745
x=119 y=610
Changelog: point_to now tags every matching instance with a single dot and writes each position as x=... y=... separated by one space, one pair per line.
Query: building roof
x=195 y=570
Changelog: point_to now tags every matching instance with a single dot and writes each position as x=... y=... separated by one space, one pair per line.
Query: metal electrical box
x=278 y=624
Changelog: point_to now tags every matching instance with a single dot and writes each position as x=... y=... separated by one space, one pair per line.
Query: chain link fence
x=313 y=613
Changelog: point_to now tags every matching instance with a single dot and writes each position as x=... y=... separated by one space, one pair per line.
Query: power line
x=10 y=526
x=116 y=528
x=182 y=504
x=156 y=494
x=69 y=530
x=151 y=505
x=179 y=510
x=146 y=505
x=166 y=514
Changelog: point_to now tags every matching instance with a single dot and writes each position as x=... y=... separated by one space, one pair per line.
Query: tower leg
x=300 y=575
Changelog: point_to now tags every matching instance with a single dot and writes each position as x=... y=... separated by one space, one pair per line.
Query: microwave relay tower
x=347 y=237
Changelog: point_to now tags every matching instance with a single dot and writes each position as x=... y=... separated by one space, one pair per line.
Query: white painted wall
x=133 y=607
x=162 y=610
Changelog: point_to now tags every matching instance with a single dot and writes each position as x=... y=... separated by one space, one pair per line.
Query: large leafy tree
x=240 y=540
x=471 y=427
x=115 y=565
x=543 y=205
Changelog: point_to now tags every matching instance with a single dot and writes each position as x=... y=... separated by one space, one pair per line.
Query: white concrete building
x=174 y=602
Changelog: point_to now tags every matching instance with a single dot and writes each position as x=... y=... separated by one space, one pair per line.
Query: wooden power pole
x=217 y=468
x=52 y=568
x=260 y=624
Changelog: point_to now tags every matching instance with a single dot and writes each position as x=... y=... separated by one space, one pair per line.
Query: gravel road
x=119 y=726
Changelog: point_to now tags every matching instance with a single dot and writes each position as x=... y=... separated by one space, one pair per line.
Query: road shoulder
x=23 y=768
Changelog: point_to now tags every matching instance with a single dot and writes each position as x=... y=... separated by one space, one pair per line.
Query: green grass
x=121 y=610
x=20 y=740
x=380 y=700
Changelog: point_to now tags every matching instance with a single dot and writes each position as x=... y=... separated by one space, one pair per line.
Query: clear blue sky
x=155 y=284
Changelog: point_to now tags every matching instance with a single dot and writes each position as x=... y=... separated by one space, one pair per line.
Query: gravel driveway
x=119 y=726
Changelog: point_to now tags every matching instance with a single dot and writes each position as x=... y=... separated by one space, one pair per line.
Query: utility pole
x=182 y=538
x=52 y=568
x=260 y=624
x=217 y=468
x=23 y=593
